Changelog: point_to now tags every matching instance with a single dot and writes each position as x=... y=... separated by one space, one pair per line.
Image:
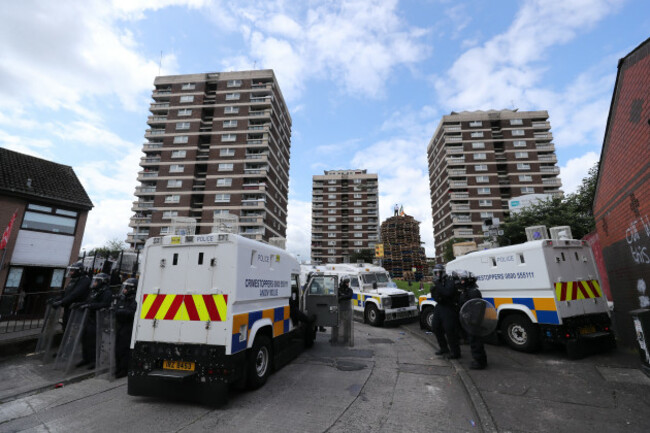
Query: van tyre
x=426 y=319
x=259 y=362
x=372 y=315
x=520 y=333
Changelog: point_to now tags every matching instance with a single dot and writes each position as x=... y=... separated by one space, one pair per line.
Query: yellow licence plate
x=587 y=330
x=178 y=365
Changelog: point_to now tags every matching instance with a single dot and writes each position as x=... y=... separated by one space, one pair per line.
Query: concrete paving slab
x=624 y=375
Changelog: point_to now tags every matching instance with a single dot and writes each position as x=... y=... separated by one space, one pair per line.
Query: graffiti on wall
x=637 y=242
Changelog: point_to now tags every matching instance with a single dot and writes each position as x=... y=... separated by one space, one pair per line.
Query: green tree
x=448 y=252
x=365 y=256
x=111 y=248
x=574 y=210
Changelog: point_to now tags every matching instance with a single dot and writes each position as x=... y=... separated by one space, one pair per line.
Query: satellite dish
x=478 y=317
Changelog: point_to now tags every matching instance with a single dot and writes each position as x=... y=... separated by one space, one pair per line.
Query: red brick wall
x=622 y=202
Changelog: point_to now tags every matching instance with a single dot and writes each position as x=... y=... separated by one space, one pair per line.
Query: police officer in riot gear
x=469 y=290
x=76 y=291
x=100 y=297
x=345 y=312
x=445 y=316
x=124 y=313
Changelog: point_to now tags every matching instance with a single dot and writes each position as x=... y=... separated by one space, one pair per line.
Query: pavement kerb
x=482 y=412
x=52 y=385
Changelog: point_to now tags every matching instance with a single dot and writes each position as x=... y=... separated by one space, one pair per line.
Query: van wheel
x=259 y=362
x=372 y=315
x=426 y=319
x=520 y=333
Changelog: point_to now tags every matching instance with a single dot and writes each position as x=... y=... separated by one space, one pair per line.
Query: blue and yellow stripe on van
x=544 y=309
x=359 y=299
x=278 y=316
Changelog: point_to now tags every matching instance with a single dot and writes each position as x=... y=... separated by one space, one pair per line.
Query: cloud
x=108 y=220
x=575 y=170
x=299 y=228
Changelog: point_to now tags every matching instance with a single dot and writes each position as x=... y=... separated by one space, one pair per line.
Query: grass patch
x=415 y=287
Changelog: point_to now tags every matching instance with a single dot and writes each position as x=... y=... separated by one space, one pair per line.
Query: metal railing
x=23 y=311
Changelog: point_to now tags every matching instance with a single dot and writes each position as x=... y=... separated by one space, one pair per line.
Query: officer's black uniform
x=77 y=290
x=124 y=313
x=445 y=316
x=100 y=297
x=469 y=290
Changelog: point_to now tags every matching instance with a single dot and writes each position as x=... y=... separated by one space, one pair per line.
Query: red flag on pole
x=7 y=232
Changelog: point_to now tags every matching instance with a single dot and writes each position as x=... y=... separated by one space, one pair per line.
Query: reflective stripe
x=204 y=308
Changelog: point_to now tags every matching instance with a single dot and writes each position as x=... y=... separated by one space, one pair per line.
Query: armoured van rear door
x=322 y=299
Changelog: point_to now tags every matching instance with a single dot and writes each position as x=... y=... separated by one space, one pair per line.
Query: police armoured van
x=213 y=310
x=543 y=289
x=376 y=298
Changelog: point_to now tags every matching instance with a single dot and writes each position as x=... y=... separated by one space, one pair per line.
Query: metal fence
x=24 y=311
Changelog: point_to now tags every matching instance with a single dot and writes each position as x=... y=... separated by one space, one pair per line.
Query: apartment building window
x=229 y=137
x=178 y=153
x=482 y=179
x=186 y=98
x=224 y=181
x=172 y=199
x=182 y=125
x=231 y=110
x=358 y=227
x=222 y=198
x=220 y=212
x=485 y=203
x=331 y=243
x=165 y=230
x=331 y=251
x=477 y=134
x=357 y=211
x=357 y=196
x=475 y=124
x=226 y=167
x=527 y=190
x=233 y=83
x=331 y=235
x=516 y=122
x=184 y=112
x=331 y=182
x=519 y=143
x=481 y=167
x=516 y=132
x=357 y=203
x=181 y=139
x=483 y=191
x=188 y=86
x=525 y=178
x=331 y=203
x=331 y=211
x=169 y=214
x=357 y=181
x=176 y=168
x=478 y=156
x=173 y=183
x=358 y=219
x=331 y=227
x=229 y=123
x=521 y=166
x=521 y=155
x=331 y=188
x=331 y=219
x=478 y=145
x=358 y=243
x=358 y=235
x=485 y=215
x=331 y=196
x=227 y=152
x=232 y=96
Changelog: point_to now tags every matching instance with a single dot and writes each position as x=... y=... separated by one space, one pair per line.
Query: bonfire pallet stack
x=402 y=247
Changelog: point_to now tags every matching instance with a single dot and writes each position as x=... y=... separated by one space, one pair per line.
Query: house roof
x=24 y=175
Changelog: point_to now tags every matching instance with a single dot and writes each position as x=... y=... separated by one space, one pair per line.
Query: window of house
x=49 y=219
x=233 y=83
x=169 y=214
x=483 y=190
x=331 y=227
x=184 y=112
x=522 y=166
x=358 y=235
x=357 y=203
x=331 y=235
x=357 y=211
x=357 y=219
x=331 y=188
x=187 y=98
x=485 y=203
x=527 y=190
x=224 y=181
x=516 y=132
x=231 y=110
x=176 y=168
x=229 y=123
x=226 y=152
x=179 y=153
x=331 y=196
x=172 y=199
x=521 y=155
x=358 y=243
x=356 y=181
x=519 y=143
x=331 y=211
x=477 y=134
x=478 y=145
x=475 y=123
x=358 y=227
x=357 y=195
x=331 y=219
x=331 y=182
x=232 y=96
x=516 y=121
x=525 y=178
x=173 y=183
x=188 y=86
x=229 y=137
x=481 y=167
x=482 y=179
x=220 y=212
x=331 y=203
x=226 y=167
x=181 y=139
x=480 y=156
x=221 y=198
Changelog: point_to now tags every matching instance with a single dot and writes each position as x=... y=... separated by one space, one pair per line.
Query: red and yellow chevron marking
x=185 y=307
x=575 y=290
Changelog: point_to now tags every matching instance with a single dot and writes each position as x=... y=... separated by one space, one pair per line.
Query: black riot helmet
x=129 y=286
x=471 y=278
x=75 y=270
x=100 y=280
x=438 y=272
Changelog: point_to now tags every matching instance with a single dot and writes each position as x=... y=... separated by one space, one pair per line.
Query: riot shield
x=478 y=317
x=50 y=326
x=105 y=347
x=343 y=333
x=68 y=351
